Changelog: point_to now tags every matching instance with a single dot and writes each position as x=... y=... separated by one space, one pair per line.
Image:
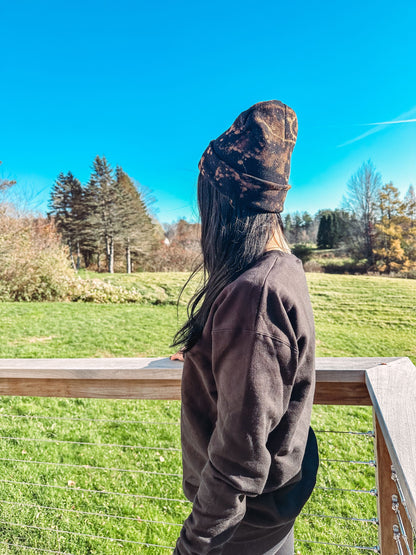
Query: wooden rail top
x=339 y=380
x=392 y=389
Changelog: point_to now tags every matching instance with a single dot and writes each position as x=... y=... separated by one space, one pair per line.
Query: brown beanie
x=250 y=162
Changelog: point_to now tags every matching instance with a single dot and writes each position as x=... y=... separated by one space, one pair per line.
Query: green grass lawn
x=68 y=507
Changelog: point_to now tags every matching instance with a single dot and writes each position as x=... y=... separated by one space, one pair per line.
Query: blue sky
x=149 y=86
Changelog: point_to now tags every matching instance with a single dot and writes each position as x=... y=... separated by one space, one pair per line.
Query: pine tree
x=307 y=222
x=333 y=228
x=297 y=226
x=323 y=240
x=287 y=223
x=136 y=226
x=300 y=228
x=102 y=201
x=66 y=205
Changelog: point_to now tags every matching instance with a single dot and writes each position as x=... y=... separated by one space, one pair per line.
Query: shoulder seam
x=261 y=293
x=254 y=332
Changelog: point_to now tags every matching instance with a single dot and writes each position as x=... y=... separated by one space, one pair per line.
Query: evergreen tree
x=137 y=228
x=323 y=240
x=300 y=228
x=287 y=223
x=333 y=228
x=103 y=206
x=297 y=227
x=91 y=229
x=307 y=222
x=67 y=208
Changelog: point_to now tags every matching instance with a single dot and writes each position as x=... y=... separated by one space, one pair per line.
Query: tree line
x=108 y=216
x=106 y=224
x=374 y=224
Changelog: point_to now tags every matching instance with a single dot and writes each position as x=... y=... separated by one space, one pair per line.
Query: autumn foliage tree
x=394 y=246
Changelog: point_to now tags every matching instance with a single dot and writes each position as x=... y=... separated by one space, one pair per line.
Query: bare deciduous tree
x=5 y=183
x=360 y=200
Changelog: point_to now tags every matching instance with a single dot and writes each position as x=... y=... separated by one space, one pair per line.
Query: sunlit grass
x=355 y=316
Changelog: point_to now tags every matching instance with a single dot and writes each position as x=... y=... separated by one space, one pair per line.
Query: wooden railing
x=388 y=384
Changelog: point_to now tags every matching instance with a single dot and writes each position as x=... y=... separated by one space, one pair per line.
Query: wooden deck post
x=393 y=394
x=385 y=489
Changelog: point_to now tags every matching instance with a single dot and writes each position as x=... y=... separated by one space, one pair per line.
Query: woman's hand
x=177 y=356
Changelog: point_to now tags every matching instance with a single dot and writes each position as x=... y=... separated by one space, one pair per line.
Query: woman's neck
x=277 y=242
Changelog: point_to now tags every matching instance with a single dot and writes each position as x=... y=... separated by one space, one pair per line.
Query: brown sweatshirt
x=249 y=455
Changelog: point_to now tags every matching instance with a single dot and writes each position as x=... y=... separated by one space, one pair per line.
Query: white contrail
x=392 y=121
x=402 y=118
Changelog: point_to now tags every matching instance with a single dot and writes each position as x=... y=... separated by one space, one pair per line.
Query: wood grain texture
x=125 y=378
x=385 y=489
x=327 y=364
x=339 y=380
x=392 y=389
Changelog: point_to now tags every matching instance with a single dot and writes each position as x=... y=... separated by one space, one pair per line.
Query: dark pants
x=285 y=547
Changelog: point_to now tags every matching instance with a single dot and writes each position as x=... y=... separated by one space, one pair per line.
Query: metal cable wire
x=396 y=509
x=395 y=478
x=88 y=467
x=82 y=534
x=139 y=520
x=396 y=537
x=369 y=463
x=76 y=419
x=39 y=549
x=349 y=518
x=83 y=490
x=370 y=491
x=367 y=434
x=88 y=513
x=374 y=549
x=62 y=441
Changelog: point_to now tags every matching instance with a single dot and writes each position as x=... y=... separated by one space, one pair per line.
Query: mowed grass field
x=75 y=472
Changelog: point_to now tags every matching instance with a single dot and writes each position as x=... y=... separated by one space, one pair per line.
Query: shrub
x=98 y=291
x=172 y=258
x=35 y=267
x=313 y=266
x=302 y=251
x=33 y=264
x=347 y=267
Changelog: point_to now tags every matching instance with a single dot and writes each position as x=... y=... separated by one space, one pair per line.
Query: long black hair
x=232 y=240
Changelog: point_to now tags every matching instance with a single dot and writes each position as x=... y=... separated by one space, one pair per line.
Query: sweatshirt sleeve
x=254 y=374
